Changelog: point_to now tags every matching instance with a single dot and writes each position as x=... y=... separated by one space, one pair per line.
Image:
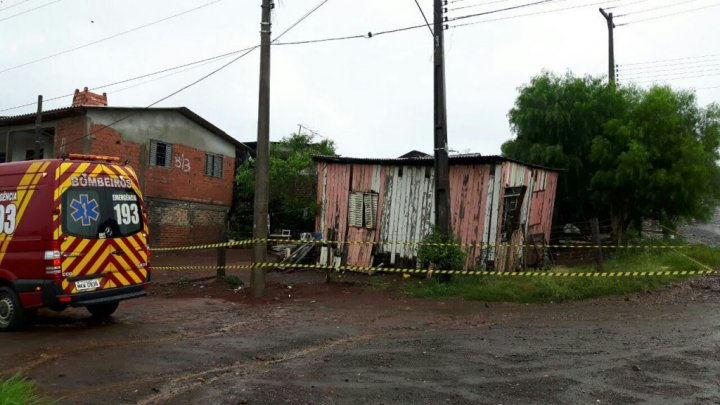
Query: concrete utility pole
x=38 y=122
x=262 y=155
x=442 y=182
x=611 y=46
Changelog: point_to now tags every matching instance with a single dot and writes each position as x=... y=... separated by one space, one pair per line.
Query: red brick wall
x=186 y=179
x=184 y=224
x=108 y=142
x=72 y=130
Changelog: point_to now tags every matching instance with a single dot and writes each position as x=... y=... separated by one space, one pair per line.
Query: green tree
x=628 y=153
x=555 y=119
x=658 y=160
x=293 y=185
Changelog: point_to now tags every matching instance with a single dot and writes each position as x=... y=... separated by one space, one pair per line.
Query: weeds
x=17 y=390
x=558 y=289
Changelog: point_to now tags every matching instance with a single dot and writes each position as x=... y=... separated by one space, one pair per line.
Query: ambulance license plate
x=85 y=285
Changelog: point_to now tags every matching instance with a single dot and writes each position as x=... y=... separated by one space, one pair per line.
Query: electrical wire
x=13 y=5
x=672 y=74
x=28 y=10
x=626 y=4
x=533 y=13
x=660 y=66
x=676 y=69
x=664 y=79
x=425 y=18
x=44 y=58
x=671 y=60
x=519 y=6
x=485 y=3
x=647 y=10
x=201 y=61
x=301 y=19
x=668 y=15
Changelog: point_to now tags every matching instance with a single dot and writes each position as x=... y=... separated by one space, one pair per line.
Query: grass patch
x=558 y=289
x=18 y=391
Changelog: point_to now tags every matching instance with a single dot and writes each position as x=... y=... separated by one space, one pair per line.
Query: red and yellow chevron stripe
x=25 y=191
x=116 y=262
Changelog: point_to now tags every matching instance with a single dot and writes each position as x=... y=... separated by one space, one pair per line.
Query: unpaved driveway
x=317 y=343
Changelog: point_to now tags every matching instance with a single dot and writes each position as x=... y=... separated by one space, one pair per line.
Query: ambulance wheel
x=12 y=315
x=104 y=310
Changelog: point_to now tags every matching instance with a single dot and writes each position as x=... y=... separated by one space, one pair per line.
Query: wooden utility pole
x=611 y=46
x=38 y=122
x=262 y=156
x=442 y=182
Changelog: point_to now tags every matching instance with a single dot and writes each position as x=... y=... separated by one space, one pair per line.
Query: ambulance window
x=101 y=213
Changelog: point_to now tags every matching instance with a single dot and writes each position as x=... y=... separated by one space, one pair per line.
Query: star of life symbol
x=84 y=210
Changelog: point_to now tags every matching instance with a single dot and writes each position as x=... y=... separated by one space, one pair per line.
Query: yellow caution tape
x=462 y=245
x=706 y=271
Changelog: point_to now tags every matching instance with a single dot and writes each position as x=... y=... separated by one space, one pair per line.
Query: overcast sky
x=373 y=97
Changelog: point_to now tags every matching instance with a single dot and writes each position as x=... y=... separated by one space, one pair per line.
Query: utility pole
x=611 y=46
x=262 y=156
x=442 y=182
x=38 y=122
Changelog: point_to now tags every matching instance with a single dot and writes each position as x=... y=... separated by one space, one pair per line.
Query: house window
x=213 y=165
x=160 y=154
x=362 y=210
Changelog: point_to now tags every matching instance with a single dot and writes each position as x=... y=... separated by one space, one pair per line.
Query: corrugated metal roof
x=470 y=158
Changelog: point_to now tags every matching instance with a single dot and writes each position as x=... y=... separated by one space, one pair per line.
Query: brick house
x=184 y=163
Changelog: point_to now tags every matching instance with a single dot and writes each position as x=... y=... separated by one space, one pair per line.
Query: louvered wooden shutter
x=208 y=164
x=218 y=166
x=370 y=203
x=355 y=210
x=153 y=153
x=168 y=155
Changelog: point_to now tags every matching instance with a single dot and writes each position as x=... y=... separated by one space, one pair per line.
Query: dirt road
x=314 y=343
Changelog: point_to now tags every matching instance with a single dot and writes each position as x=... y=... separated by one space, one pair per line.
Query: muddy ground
x=309 y=342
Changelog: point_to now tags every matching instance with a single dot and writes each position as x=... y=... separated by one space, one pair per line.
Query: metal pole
x=442 y=182
x=611 y=45
x=260 y=217
x=38 y=122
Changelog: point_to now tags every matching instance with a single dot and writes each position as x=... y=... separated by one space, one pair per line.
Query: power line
x=109 y=37
x=673 y=69
x=681 y=73
x=535 y=3
x=664 y=79
x=28 y=10
x=671 y=60
x=485 y=3
x=201 y=61
x=647 y=10
x=626 y=4
x=533 y=13
x=13 y=5
x=371 y=34
x=669 y=15
x=301 y=19
x=425 y=18
x=660 y=66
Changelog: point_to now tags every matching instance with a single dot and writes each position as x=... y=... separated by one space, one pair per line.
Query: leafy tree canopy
x=293 y=185
x=628 y=153
x=555 y=119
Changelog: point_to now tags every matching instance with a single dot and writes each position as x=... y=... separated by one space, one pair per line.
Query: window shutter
x=370 y=202
x=218 y=169
x=208 y=164
x=153 y=153
x=355 y=210
x=168 y=155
